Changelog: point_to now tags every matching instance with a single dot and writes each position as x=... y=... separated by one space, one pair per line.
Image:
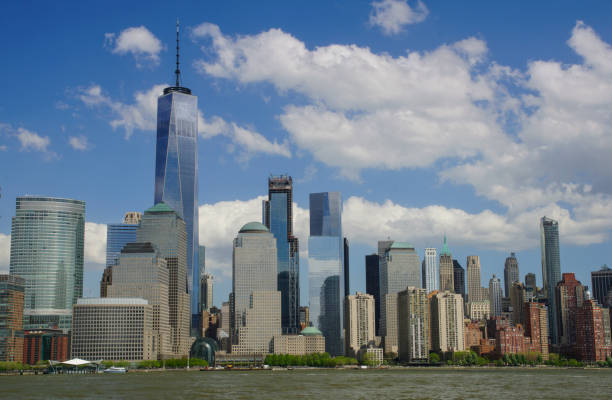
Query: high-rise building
x=447 y=322
x=206 y=291
x=518 y=298
x=143 y=273
x=530 y=282
x=176 y=168
x=570 y=296
x=593 y=341
x=165 y=230
x=459 y=279
x=118 y=235
x=113 y=329
x=383 y=246
x=401 y=268
x=447 y=281
x=47 y=249
x=601 y=282
x=473 y=279
x=202 y=271
x=495 y=296
x=551 y=272
x=11 y=318
x=304 y=317
x=347 y=285
x=413 y=324
x=373 y=285
x=256 y=304
x=511 y=273
x=358 y=322
x=106 y=281
x=430 y=270
x=278 y=218
x=326 y=268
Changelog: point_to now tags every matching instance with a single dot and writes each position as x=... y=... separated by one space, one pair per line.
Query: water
x=413 y=383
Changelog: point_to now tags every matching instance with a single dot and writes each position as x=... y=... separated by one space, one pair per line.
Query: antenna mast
x=177 y=71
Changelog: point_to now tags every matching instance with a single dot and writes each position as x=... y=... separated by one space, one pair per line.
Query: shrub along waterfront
x=310 y=360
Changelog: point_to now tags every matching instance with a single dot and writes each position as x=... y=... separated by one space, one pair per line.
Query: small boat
x=115 y=370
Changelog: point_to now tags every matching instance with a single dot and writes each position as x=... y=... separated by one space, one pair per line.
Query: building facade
x=430 y=270
x=459 y=279
x=118 y=235
x=530 y=282
x=262 y=323
x=447 y=281
x=593 y=332
x=473 y=279
x=47 y=250
x=601 y=282
x=45 y=344
x=570 y=296
x=495 y=296
x=511 y=273
x=11 y=317
x=413 y=324
x=278 y=218
x=326 y=268
x=358 y=322
x=373 y=285
x=310 y=340
x=536 y=326
x=551 y=272
x=206 y=291
x=447 y=322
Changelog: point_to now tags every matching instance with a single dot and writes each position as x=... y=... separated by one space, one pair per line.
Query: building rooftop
x=401 y=245
x=311 y=331
x=101 y=301
x=160 y=207
x=145 y=247
x=254 y=227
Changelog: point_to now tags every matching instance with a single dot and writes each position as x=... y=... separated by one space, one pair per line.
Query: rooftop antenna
x=177 y=71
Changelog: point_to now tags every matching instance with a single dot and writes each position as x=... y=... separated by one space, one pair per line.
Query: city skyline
x=253 y=125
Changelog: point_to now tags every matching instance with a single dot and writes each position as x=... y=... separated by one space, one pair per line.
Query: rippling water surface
x=432 y=383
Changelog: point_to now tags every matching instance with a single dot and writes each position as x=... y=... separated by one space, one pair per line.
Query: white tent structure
x=75 y=363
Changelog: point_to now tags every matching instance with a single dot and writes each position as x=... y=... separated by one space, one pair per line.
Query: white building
x=359 y=322
x=495 y=296
x=447 y=323
x=430 y=270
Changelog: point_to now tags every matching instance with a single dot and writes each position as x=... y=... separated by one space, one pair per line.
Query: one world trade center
x=176 y=167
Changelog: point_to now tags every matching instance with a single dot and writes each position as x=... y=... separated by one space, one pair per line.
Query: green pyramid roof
x=160 y=207
x=401 y=245
x=311 y=331
x=445 y=250
x=254 y=227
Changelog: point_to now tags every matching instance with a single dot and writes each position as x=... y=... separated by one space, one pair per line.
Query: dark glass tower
x=347 y=285
x=551 y=272
x=459 y=278
x=602 y=284
x=278 y=217
x=176 y=167
x=373 y=284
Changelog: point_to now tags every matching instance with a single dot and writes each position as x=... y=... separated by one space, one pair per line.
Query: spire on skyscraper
x=445 y=250
x=178 y=70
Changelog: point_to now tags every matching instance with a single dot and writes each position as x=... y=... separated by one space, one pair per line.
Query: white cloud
x=32 y=141
x=138 y=41
x=95 y=243
x=5 y=252
x=3 y=147
x=392 y=15
x=79 y=142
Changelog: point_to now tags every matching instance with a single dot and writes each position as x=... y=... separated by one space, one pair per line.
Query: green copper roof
x=445 y=250
x=160 y=207
x=254 y=227
x=401 y=245
x=311 y=331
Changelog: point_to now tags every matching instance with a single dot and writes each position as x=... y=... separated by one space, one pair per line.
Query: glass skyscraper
x=430 y=270
x=118 y=235
x=176 y=170
x=551 y=271
x=326 y=268
x=47 y=248
x=277 y=215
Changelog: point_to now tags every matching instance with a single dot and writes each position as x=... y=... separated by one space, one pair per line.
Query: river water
x=411 y=383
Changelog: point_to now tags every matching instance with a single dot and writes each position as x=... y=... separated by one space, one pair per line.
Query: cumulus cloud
x=80 y=143
x=138 y=41
x=95 y=243
x=5 y=252
x=32 y=141
x=393 y=15
x=3 y=147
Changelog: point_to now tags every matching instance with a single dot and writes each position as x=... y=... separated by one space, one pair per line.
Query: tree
x=434 y=358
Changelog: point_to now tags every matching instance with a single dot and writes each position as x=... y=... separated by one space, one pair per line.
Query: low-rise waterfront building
x=11 y=317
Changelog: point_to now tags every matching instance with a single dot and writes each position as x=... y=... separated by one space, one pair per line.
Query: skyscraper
x=326 y=268
x=536 y=326
x=176 y=167
x=602 y=284
x=118 y=235
x=459 y=279
x=530 y=282
x=278 y=218
x=165 y=229
x=551 y=272
x=475 y=292
x=359 y=322
x=373 y=284
x=202 y=271
x=413 y=324
x=511 y=273
x=447 y=322
x=495 y=296
x=430 y=270
x=570 y=296
x=447 y=281
x=47 y=246
x=206 y=291
x=347 y=285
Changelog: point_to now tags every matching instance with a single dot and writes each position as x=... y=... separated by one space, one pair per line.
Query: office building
x=118 y=235
x=106 y=281
x=530 y=282
x=373 y=285
x=518 y=297
x=536 y=326
x=447 y=282
x=570 y=296
x=447 y=322
x=261 y=323
x=11 y=318
x=413 y=324
x=304 y=317
x=165 y=230
x=593 y=341
x=326 y=268
x=202 y=269
x=45 y=344
x=176 y=169
x=601 y=282
x=358 y=322
x=142 y=273
x=206 y=291
x=551 y=272
x=113 y=329
x=47 y=249
x=511 y=273
x=475 y=292
x=459 y=279
x=430 y=270
x=347 y=285
x=278 y=218
x=310 y=340
x=478 y=310
x=495 y=296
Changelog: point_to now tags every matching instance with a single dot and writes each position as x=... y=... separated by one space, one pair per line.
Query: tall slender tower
x=447 y=281
x=430 y=270
x=473 y=279
x=278 y=218
x=495 y=296
x=511 y=273
x=551 y=272
x=459 y=279
x=176 y=166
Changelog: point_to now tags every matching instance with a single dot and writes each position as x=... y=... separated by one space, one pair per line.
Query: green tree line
x=310 y=360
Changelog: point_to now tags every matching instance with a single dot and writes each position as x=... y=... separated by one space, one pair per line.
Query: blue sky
x=470 y=118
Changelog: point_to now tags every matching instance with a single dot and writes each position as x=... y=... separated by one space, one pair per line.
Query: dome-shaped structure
x=311 y=331
x=204 y=348
x=252 y=227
